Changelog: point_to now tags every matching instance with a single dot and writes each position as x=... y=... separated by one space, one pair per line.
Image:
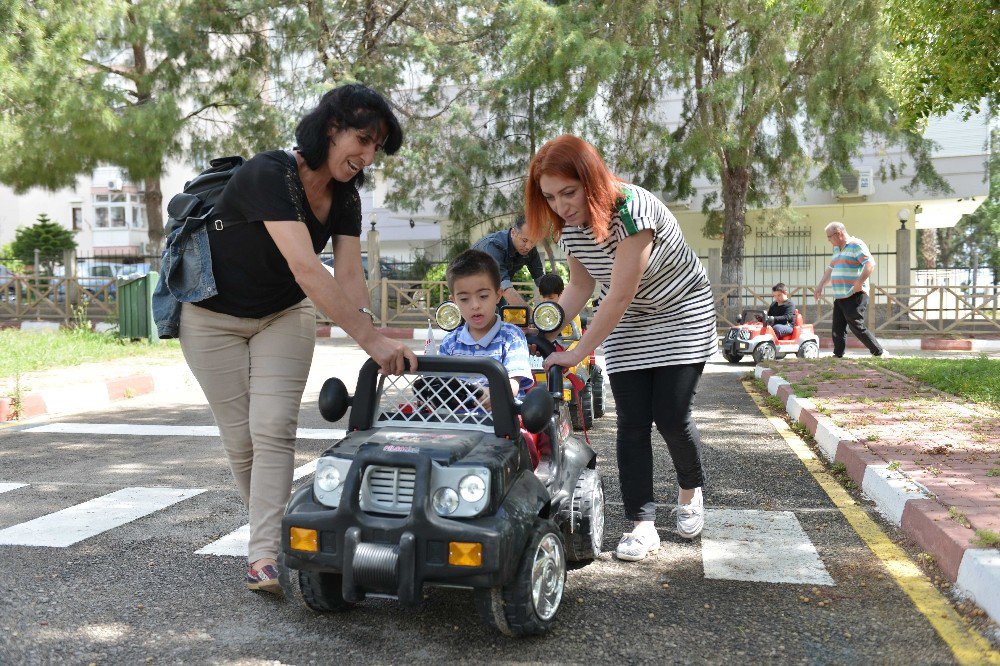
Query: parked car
x=388 y=270
x=100 y=279
x=7 y=284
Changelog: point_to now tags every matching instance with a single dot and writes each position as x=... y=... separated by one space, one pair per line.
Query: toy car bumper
x=398 y=555
x=736 y=346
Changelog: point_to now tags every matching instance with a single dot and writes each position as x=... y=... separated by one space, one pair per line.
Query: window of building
x=788 y=251
x=119 y=210
x=77 y=217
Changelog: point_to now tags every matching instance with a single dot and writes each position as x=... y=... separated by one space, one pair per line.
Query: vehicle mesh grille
x=388 y=489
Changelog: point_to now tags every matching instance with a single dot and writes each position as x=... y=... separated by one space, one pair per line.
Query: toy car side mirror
x=739 y=319
x=536 y=409
x=333 y=400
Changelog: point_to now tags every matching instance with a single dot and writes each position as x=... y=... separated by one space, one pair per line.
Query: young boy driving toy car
x=781 y=314
x=474 y=281
x=550 y=288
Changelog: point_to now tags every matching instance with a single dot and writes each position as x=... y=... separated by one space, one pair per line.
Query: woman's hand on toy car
x=566 y=359
x=393 y=357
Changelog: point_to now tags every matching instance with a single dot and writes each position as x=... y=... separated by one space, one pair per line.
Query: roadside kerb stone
x=907 y=502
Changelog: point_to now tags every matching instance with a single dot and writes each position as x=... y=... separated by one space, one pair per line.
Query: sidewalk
x=929 y=461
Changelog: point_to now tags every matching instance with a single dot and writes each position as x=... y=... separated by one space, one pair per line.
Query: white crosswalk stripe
x=165 y=430
x=237 y=542
x=82 y=521
x=4 y=487
x=762 y=546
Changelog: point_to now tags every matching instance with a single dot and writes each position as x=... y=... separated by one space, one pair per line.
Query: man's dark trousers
x=850 y=311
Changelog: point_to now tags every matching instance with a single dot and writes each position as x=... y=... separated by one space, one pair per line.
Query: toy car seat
x=796 y=328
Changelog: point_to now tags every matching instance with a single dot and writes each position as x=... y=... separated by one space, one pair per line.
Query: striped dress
x=671 y=320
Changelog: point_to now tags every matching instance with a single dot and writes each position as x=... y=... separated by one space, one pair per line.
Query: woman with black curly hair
x=251 y=345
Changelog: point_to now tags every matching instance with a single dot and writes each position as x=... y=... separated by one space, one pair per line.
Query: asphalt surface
x=138 y=593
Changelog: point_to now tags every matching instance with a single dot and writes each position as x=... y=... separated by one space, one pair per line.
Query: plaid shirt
x=503 y=342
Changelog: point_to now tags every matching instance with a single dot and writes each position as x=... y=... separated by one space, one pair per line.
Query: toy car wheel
x=587 y=400
x=528 y=604
x=809 y=350
x=323 y=591
x=583 y=530
x=764 y=352
x=597 y=380
x=732 y=358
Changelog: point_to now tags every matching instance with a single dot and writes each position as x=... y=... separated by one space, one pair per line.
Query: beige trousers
x=253 y=372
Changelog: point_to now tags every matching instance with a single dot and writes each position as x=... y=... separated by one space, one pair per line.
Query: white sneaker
x=635 y=546
x=691 y=517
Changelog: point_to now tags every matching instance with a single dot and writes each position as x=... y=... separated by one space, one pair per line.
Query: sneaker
x=635 y=546
x=264 y=579
x=691 y=517
x=883 y=354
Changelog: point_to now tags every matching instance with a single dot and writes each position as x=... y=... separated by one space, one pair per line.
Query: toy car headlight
x=328 y=478
x=328 y=482
x=472 y=488
x=448 y=316
x=548 y=316
x=445 y=501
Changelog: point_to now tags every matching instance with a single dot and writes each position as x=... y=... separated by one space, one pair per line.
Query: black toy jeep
x=430 y=488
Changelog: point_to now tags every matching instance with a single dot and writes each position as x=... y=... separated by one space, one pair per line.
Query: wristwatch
x=368 y=312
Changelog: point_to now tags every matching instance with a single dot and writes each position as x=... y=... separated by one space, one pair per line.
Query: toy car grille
x=443 y=400
x=388 y=489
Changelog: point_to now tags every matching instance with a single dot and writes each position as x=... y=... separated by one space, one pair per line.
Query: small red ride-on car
x=754 y=336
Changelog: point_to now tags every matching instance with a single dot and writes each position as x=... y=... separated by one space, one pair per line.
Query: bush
x=438 y=293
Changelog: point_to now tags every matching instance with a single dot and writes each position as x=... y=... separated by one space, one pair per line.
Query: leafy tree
x=771 y=94
x=49 y=238
x=943 y=54
x=127 y=83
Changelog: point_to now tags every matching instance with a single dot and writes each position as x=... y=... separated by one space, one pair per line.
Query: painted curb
x=67 y=399
x=905 y=502
x=395 y=333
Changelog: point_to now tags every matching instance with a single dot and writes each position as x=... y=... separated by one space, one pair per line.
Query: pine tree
x=46 y=236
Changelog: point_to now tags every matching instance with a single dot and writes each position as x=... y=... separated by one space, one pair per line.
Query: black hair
x=550 y=283
x=519 y=222
x=472 y=262
x=352 y=105
x=780 y=287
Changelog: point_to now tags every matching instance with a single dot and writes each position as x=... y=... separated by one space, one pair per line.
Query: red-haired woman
x=656 y=319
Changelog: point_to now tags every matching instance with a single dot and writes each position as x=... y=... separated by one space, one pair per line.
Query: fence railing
x=903 y=310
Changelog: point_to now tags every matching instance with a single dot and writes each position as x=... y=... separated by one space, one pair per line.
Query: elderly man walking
x=847 y=275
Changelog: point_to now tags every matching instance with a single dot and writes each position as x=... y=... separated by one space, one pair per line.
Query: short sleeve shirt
x=503 y=342
x=671 y=319
x=252 y=276
x=847 y=264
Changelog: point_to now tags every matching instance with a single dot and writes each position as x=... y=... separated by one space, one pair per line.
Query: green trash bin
x=135 y=307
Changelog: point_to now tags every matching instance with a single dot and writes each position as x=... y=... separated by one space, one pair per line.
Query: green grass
x=976 y=379
x=31 y=351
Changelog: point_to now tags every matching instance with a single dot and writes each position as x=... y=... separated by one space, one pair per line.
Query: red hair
x=570 y=157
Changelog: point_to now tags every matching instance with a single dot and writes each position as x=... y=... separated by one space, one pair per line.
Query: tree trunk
x=928 y=248
x=154 y=214
x=735 y=182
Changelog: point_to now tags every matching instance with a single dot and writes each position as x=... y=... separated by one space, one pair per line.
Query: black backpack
x=201 y=193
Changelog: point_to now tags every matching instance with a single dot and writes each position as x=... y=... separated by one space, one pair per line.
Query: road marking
x=237 y=542
x=76 y=523
x=761 y=546
x=165 y=430
x=4 y=487
x=968 y=646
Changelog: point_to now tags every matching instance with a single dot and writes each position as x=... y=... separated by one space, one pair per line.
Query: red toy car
x=754 y=336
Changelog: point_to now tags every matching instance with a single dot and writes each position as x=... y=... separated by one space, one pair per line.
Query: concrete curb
x=390 y=332
x=68 y=399
x=974 y=571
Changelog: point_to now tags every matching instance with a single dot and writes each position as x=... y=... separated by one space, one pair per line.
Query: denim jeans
x=662 y=396
x=850 y=311
x=782 y=329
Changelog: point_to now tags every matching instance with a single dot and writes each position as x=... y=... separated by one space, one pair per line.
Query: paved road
x=141 y=592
